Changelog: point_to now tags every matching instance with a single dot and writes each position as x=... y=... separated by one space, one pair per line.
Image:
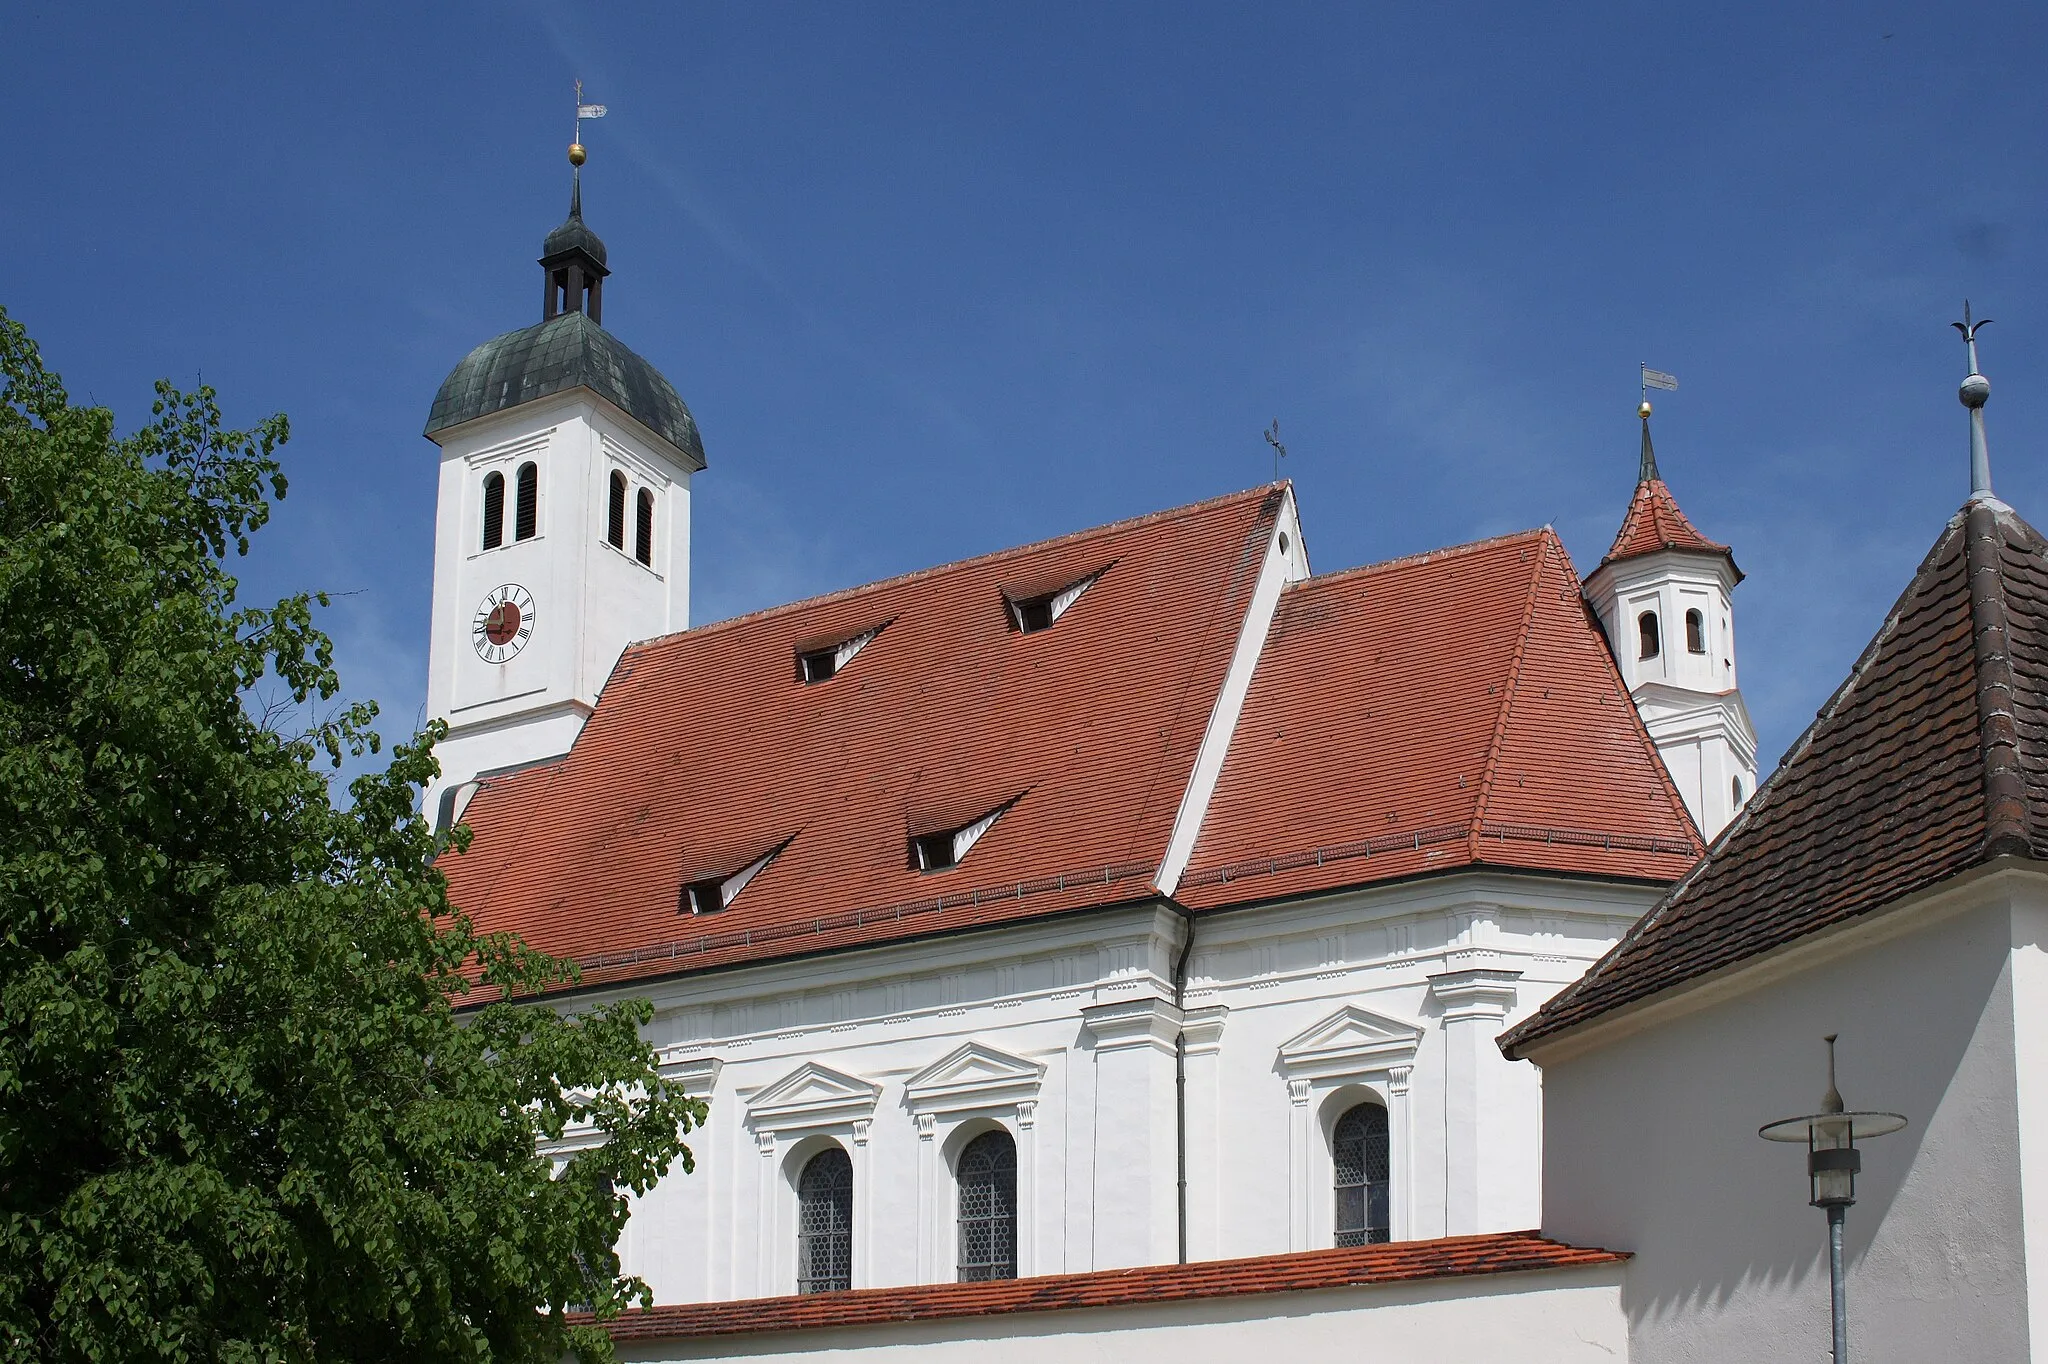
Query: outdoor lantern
x=1832 y=1163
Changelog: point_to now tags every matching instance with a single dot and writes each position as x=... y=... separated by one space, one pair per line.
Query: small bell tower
x=1664 y=595
x=563 y=529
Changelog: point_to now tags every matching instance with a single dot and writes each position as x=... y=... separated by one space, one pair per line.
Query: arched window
x=643 y=528
x=494 y=510
x=1735 y=790
x=1363 y=1176
x=824 y=1224
x=615 y=515
x=1646 y=633
x=526 y=519
x=1695 y=632
x=988 y=1208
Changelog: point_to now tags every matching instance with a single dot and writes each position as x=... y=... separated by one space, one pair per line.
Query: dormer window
x=934 y=852
x=1032 y=611
x=1646 y=636
x=941 y=849
x=1695 y=632
x=822 y=662
x=710 y=894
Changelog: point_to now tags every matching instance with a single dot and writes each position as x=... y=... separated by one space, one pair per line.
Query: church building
x=1108 y=938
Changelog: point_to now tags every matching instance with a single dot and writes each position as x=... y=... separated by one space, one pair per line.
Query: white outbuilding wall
x=1650 y=1140
x=1063 y=1032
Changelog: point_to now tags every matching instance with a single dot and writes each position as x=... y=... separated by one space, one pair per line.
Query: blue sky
x=937 y=279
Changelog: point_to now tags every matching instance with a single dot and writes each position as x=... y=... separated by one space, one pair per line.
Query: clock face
x=503 y=624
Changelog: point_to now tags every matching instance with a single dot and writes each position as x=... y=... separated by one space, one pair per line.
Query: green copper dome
x=568 y=351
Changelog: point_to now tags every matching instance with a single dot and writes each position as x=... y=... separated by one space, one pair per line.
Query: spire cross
x=1974 y=393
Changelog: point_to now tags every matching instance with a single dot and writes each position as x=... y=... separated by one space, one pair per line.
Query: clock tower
x=563 y=529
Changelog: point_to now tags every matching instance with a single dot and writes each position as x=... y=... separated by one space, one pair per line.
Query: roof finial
x=1646 y=471
x=1975 y=392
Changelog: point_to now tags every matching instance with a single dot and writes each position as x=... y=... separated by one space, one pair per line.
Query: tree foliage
x=244 y=1114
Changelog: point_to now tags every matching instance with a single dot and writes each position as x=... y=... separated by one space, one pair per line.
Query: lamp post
x=1832 y=1161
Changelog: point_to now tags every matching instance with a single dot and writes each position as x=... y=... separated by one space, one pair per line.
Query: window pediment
x=1348 y=1042
x=812 y=1095
x=973 y=1075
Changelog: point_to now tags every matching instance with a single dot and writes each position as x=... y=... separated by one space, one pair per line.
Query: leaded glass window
x=1363 y=1169
x=988 y=1208
x=824 y=1224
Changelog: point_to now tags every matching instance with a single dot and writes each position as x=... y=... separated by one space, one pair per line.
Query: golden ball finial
x=1644 y=410
x=576 y=154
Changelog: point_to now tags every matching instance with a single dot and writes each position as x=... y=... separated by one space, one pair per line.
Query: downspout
x=1180 y=1071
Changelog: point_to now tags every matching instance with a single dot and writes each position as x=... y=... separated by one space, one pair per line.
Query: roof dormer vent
x=710 y=894
x=1034 y=608
x=940 y=849
x=816 y=662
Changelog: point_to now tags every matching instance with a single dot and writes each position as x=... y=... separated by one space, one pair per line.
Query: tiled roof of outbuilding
x=1457 y=708
x=1386 y=1263
x=1930 y=759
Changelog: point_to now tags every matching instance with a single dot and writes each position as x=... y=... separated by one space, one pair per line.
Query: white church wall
x=1567 y=1316
x=1063 y=1035
x=1650 y=1144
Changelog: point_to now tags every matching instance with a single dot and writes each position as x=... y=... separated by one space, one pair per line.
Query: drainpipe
x=1180 y=1071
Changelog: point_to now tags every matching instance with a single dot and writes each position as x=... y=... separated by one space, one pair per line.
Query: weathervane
x=1279 y=450
x=1974 y=393
x=583 y=111
x=1646 y=467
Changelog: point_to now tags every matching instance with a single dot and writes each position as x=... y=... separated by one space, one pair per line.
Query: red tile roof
x=1396 y=1262
x=706 y=751
x=1449 y=710
x=1931 y=758
x=1654 y=522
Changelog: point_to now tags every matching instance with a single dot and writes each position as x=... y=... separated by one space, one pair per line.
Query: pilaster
x=1135 y=1213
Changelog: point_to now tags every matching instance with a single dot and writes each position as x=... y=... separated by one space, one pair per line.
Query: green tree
x=241 y=1116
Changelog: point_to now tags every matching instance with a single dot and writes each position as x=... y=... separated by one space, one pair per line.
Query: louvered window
x=615 y=514
x=526 y=519
x=643 y=528
x=1695 y=633
x=1647 y=635
x=824 y=1235
x=1359 y=1146
x=988 y=1208
x=494 y=510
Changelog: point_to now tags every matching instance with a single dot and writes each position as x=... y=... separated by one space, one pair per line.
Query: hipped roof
x=1452 y=709
x=1930 y=759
